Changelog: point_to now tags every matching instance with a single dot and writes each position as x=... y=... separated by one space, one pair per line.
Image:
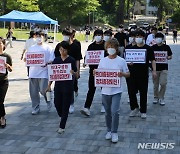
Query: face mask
x=131 y=40
x=132 y=30
x=98 y=38
x=111 y=51
x=65 y=38
x=39 y=40
x=139 y=40
x=119 y=29
x=158 y=40
x=106 y=38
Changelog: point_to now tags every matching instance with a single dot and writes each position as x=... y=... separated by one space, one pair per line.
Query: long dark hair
x=63 y=44
x=4 y=42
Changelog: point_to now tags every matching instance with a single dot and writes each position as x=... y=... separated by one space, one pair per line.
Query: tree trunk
x=120 y=12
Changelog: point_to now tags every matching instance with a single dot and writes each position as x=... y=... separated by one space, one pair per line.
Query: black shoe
x=3 y=126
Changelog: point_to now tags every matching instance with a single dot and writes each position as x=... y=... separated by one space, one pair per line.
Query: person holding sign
x=5 y=63
x=111 y=95
x=98 y=44
x=37 y=57
x=139 y=75
x=162 y=54
x=63 y=90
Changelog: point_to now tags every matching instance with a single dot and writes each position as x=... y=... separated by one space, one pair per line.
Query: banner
x=59 y=72
x=2 y=65
x=161 y=57
x=135 y=55
x=94 y=57
x=107 y=78
x=35 y=59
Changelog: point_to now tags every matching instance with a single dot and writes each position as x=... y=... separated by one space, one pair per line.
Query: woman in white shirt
x=111 y=95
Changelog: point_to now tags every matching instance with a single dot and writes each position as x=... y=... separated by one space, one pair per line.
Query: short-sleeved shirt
x=164 y=47
x=116 y=63
x=142 y=70
x=121 y=37
x=8 y=61
x=174 y=32
x=65 y=86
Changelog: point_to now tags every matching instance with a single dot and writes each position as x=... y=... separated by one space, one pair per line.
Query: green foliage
x=176 y=17
x=23 y=5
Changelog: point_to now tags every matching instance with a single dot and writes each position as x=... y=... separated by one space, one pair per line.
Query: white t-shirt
x=29 y=43
x=151 y=40
x=38 y=71
x=117 y=63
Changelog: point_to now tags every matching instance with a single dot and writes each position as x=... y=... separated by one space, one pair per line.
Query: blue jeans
x=112 y=107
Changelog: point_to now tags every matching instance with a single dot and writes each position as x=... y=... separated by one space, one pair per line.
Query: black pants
x=140 y=84
x=62 y=101
x=76 y=85
x=3 y=89
x=91 y=91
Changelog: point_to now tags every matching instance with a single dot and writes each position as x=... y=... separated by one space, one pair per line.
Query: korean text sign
x=107 y=78
x=135 y=55
x=59 y=72
x=161 y=57
x=94 y=57
x=2 y=64
x=35 y=59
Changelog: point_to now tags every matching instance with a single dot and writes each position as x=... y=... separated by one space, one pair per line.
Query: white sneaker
x=85 y=111
x=161 y=102
x=155 y=101
x=35 y=111
x=143 y=115
x=60 y=130
x=134 y=113
x=108 y=136
x=114 y=138
x=71 y=109
x=102 y=109
x=49 y=106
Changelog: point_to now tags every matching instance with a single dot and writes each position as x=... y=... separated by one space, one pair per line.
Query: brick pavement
x=30 y=134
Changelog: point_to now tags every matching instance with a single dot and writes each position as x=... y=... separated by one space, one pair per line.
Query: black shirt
x=8 y=61
x=142 y=70
x=65 y=86
x=121 y=37
x=74 y=51
x=174 y=32
x=94 y=46
x=164 y=47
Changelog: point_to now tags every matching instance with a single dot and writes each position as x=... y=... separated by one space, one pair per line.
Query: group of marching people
x=69 y=51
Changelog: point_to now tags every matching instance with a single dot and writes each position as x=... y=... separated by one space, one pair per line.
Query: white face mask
x=39 y=40
x=132 y=30
x=65 y=38
x=98 y=38
x=158 y=40
x=139 y=40
x=131 y=40
x=119 y=29
x=111 y=51
x=106 y=38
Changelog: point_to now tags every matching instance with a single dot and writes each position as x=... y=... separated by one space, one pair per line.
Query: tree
x=23 y=5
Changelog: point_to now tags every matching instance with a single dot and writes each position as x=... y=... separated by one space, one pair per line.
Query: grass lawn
x=24 y=34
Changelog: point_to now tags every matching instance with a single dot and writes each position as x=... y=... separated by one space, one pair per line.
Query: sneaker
x=49 y=106
x=155 y=101
x=61 y=131
x=85 y=111
x=71 y=109
x=102 y=109
x=76 y=94
x=114 y=138
x=143 y=115
x=36 y=111
x=161 y=102
x=108 y=136
x=134 y=113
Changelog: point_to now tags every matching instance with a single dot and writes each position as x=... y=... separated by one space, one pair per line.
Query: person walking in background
x=175 y=35
x=162 y=70
x=38 y=75
x=111 y=95
x=4 y=81
x=151 y=37
x=63 y=90
x=9 y=37
x=107 y=35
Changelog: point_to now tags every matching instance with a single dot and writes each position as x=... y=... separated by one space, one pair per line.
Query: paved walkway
x=30 y=134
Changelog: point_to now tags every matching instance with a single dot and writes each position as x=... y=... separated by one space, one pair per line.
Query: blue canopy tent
x=28 y=17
